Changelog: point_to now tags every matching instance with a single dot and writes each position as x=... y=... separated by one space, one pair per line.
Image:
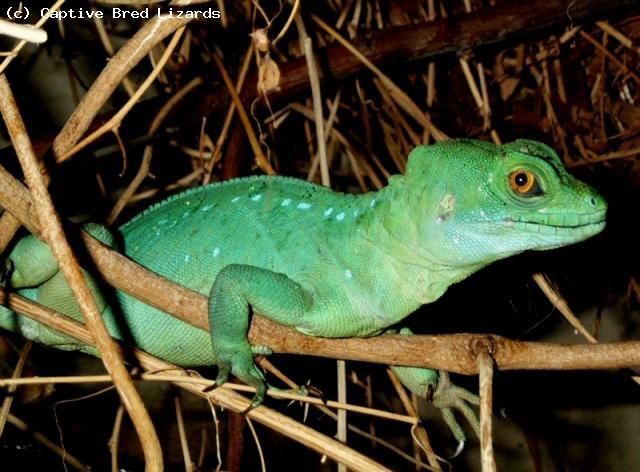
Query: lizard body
x=326 y=263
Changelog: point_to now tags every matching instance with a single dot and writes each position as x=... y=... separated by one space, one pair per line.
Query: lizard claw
x=444 y=395
x=5 y=271
x=448 y=397
x=459 y=449
x=223 y=374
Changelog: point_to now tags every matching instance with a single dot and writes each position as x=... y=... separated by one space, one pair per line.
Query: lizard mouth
x=560 y=224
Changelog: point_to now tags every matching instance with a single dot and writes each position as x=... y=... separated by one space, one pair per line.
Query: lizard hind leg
x=235 y=289
x=437 y=387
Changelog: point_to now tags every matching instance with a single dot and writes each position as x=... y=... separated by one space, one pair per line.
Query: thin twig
x=46 y=442
x=127 y=57
x=116 y=119
x=17 y=372
x=261 y=159
x=223 y=396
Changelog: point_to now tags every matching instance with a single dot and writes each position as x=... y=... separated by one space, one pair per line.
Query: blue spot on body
x=207 y=207
x=256 y=198
x=304 y=206
x=328 y=211
x=235 y=199
x=373 y=202
x=187 y=257
x=286 y=202
x=186 y=213
x=340 y=216
x=216 y=252
x=348 y=274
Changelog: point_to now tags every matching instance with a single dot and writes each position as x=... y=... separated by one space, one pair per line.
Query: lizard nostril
x=592 y=201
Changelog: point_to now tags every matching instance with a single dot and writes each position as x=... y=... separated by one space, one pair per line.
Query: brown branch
x=454 y=353
x=507 y=21
x=52 y=233
x=223 y=396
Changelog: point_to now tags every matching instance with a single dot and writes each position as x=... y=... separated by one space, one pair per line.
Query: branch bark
x=453 y=353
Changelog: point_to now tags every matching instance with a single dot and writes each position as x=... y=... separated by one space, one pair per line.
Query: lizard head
x=484 y=202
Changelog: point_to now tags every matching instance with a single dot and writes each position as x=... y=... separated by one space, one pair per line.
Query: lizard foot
x=239 y=362
x=448 y=397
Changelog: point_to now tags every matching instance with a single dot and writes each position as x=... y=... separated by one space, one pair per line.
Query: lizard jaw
x=560 y=224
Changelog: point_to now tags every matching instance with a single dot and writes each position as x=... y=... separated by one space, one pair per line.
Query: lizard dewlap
x=325 y=263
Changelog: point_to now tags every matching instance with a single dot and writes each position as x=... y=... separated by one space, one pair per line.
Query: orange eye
x=524 y=183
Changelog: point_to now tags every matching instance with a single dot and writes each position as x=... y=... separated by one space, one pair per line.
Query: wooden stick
x=485 y=367
x=54 y=236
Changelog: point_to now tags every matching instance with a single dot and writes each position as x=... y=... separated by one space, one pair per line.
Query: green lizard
x=325 y=263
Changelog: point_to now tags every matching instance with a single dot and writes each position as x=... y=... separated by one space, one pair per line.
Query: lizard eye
x=524 y=183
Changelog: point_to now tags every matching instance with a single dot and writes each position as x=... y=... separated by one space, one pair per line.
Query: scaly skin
x=325 y=263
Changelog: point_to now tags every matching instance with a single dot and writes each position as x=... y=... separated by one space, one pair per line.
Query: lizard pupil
x=521 y=179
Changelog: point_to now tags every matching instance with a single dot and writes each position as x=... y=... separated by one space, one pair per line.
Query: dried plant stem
x=621 y=37
x=114 y=440
x=159 y=377
x=475 y=92
x=305 y=43
x=9 y=225
x=222 y=137
x=561 y=304
x=396 y=92
x=333 y=110
x=261 y=159
x=127 y=57
x=108 y=47
x=17 y=372
x=612 y=57
x=26 y=33
x=556 y=299
x=421 y=435
x=182 y=433
x=292 y=16
x=485 y=368
x=321 y=407
x=16 y=49
x=143 y=170
x=53 y=234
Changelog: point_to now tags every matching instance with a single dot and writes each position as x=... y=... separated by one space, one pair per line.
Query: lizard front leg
x=235 y=288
